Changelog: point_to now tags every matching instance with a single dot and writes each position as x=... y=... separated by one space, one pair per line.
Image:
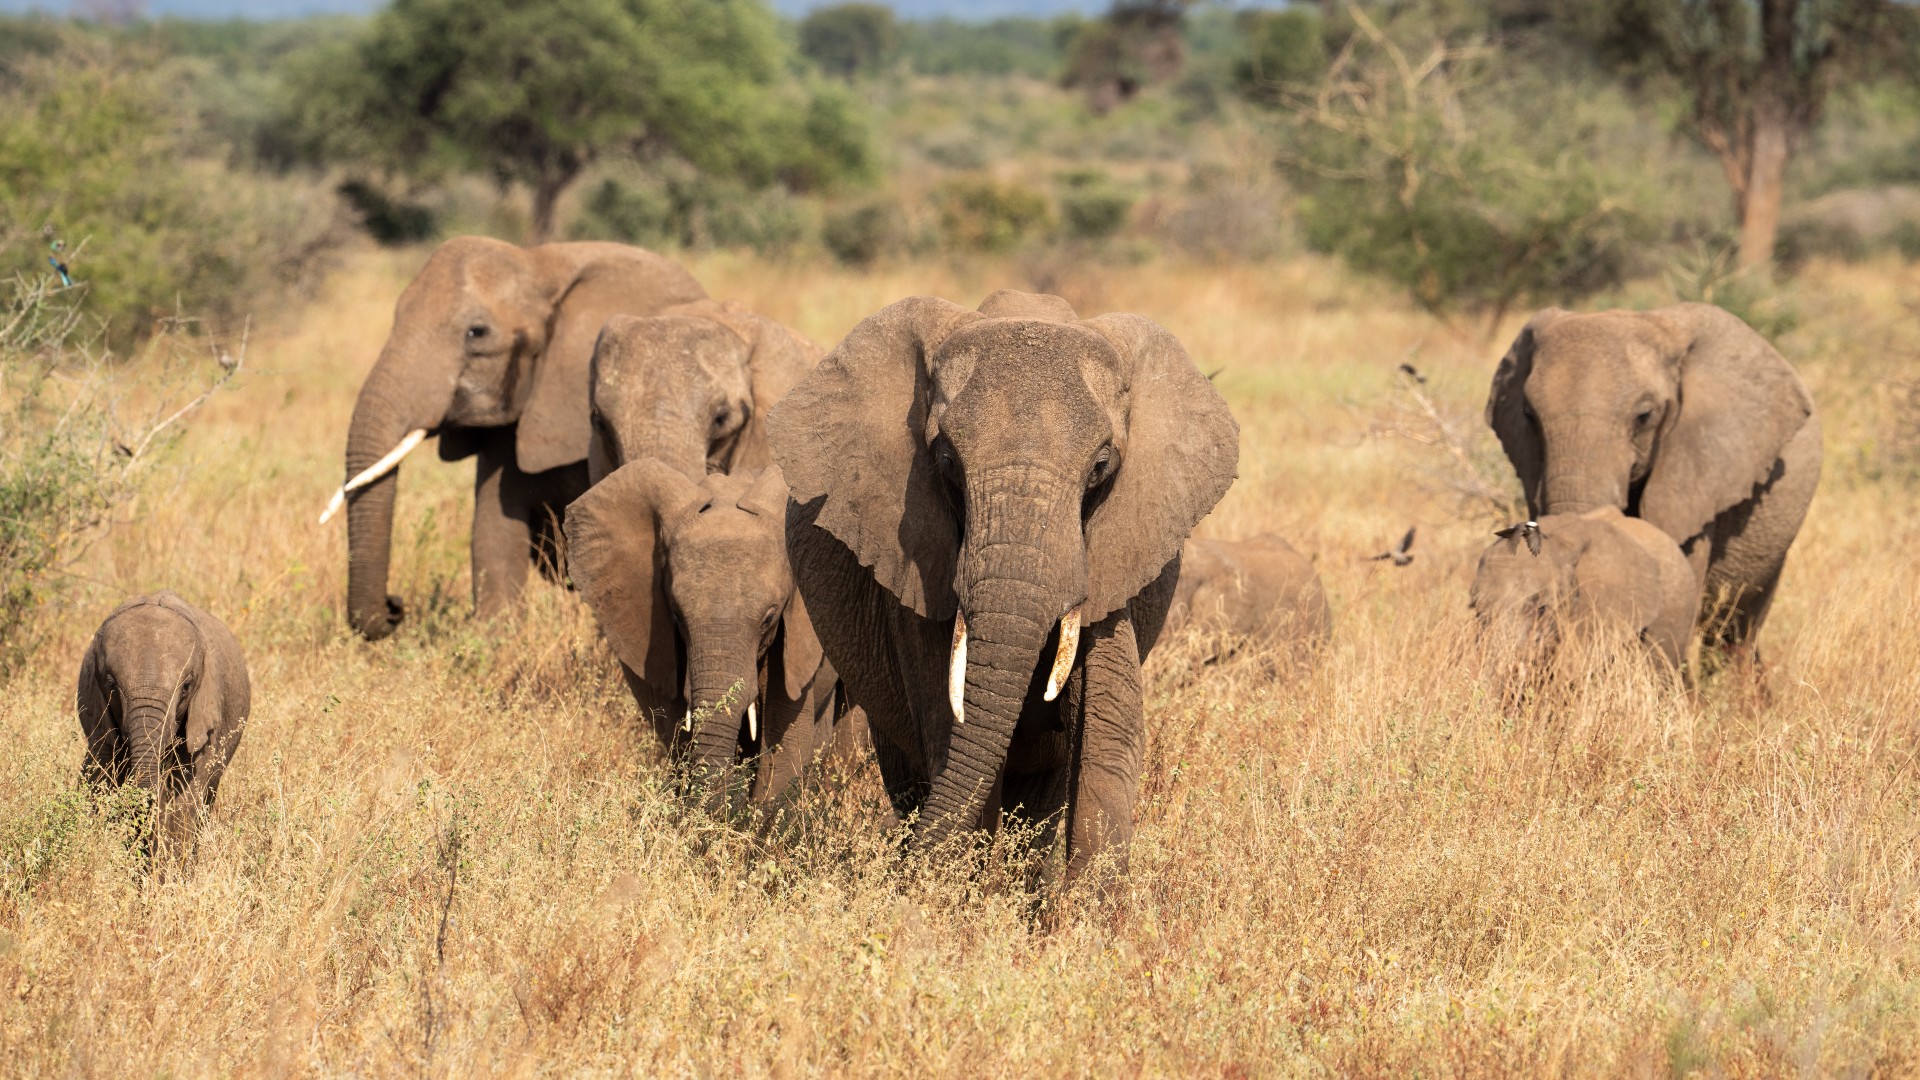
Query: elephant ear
x=1181 y=454
x=1507 y=413
x=800 y=649
x=589 y=283
x=1739 y=403
x=853 y=434
x=615 y=556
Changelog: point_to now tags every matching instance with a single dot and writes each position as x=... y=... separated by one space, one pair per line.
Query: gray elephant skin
x=489 y=351
x=1258 y=592
x=969 y=490
x=163 y=697
x=691 y=587
x=1683 y=417
x=1600 y=574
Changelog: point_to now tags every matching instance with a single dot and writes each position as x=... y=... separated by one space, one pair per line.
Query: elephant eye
x=946 y=460
x=476 y=332
x=1645 y=418
x=1102 y=466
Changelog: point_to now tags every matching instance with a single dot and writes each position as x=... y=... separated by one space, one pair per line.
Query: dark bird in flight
x=1528 y=531
x=1413 y=373
x=1402 y=553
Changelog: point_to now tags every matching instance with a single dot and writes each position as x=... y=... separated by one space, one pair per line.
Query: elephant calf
x=1600 y=572
x=163 y=697
x=691 y=586
x=1259 y=590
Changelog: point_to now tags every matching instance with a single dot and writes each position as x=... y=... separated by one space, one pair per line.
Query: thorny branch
x=1427 y=424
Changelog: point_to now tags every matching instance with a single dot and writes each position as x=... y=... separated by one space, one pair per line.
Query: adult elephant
x=489 y=350
x=971 y=489
x=1683 y=416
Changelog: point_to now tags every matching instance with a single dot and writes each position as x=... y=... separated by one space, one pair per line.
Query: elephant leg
x=556 y=490
x=502 y=528
x=1110 y=738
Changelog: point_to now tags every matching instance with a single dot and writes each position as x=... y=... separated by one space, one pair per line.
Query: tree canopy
x=848 y=40
x=532 y=91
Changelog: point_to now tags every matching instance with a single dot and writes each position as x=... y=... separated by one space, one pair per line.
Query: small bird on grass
x=1413 y=373
x=1401 y=553
x=1526 y=530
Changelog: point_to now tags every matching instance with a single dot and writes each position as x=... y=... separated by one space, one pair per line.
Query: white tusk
x=373 y=472
x=753 y=720
x=1063 y=659
x=686 y=722
x=957 y=672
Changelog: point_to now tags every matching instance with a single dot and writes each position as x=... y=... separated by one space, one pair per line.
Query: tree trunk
x=546 y=195
x=1760 y=217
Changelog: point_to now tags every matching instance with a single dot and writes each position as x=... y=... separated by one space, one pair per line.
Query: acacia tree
x=1757 y=74
x=532 y=91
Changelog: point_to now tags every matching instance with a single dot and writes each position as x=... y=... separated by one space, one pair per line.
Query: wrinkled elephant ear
x=1507 y=413
x=1739 y=404
x=800 y=649
x=589 y=283
x=852 y=434
x=1180 y=456
x=615 y=557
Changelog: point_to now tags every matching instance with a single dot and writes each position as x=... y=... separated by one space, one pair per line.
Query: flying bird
x=1528 y=531
x=1413 y=373
x=1401 y=553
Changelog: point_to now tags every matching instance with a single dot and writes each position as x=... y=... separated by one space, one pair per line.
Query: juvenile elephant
x=1259 y=590
x=489 y=351
x=986 y=519
x=1684 y=417
x=1600 y=572
x=163 y=696
x=691 y=587
x=691 y=387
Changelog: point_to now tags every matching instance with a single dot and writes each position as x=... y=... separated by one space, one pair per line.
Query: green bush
x=979 y=213
x=1279 y=48
x=860 y=234
x=684 y=210
x=1092 y=206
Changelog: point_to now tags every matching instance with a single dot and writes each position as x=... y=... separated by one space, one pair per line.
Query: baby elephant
x=1259 y=589
x=691 y=586
x=163 y=697
x=1600 y=571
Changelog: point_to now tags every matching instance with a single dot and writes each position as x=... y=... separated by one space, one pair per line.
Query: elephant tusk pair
x=1056 y=678
x=373 y=472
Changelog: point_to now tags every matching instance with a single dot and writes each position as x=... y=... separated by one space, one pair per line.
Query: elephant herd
x=956 y=537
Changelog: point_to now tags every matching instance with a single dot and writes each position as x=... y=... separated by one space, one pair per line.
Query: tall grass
x=456 y=851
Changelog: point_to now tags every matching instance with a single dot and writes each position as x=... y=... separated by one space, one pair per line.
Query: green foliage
x=684 y=210
x=95 y=146
x=1280 y=48
x=849 y=40
x=999 y=47
x=865 y=232
x=979 y=213
x=1092 y=206
x=531 y=93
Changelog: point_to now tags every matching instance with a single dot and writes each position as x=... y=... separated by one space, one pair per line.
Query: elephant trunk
x=147 y=722
x=1585 y=470
x=391 y=405
x=723 y=690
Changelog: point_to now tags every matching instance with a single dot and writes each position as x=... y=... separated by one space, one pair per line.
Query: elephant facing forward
x=489 y=351
x=986 y=519
x=163 y=696
x=726 y=662
x=1684 y=417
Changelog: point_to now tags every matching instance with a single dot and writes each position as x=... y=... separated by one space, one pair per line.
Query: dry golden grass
x=455 y=852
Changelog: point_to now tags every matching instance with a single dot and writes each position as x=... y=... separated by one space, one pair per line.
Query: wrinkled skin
x=1599 y=574
x=1683 y=417
x=691 y=387
x=163 y=696
x=489 y=351
x=1008 y=465
x=732 y=631
x=1259 y=591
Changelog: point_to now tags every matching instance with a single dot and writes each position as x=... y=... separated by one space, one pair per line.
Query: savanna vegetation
x=458 y=851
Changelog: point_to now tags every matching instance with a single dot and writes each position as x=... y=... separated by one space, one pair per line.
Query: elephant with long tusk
x=489 y=353
x=986 y=520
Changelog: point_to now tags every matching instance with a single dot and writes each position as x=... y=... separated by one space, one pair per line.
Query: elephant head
x=160 y=682
x=1673 y=415
x=1599 y=571
x=691 y=586
x=1015 y=472
x=691 y=387
x=488 y=335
